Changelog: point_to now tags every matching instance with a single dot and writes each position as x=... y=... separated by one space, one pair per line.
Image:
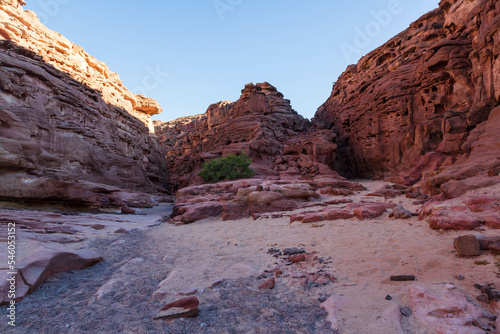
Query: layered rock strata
x=424 y=106
x=69 y=130
x=261 y=123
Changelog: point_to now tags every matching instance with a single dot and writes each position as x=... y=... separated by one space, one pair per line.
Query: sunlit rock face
x=422 y=106
x=261 y=123
x=69 y=129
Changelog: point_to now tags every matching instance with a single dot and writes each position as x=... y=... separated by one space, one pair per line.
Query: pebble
x=293 y=251
x=388 y=297
x=402 y=278
x=406 y=311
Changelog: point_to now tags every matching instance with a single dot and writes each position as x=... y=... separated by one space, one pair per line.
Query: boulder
x=467 y=245
x=370 y=210
x=484 y=242
x=400 y=212
x=198 y=211
x=335 y=214
x=182 y=308
x=453 y=220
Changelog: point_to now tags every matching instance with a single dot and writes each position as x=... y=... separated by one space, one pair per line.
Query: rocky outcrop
x=261 y=123
x=424 y=106
x=255 y=197
x=69 y=130
x=23 y=28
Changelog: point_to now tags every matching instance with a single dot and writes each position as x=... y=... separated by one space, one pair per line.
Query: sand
x=162 y=260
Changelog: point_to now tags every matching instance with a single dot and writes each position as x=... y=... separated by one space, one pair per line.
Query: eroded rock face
x=254 y=197
x=262 y=123
x=69 y=129
x=424 y=105
x=24 y=28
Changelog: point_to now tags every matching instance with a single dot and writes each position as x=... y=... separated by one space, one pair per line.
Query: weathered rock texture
x=24 y=28
x=262 y=123
x=69 y=129
x=425 y=104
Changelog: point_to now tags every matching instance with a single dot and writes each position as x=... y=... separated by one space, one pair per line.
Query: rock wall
x=420 y=106
x=262 y=123
x=23 y=27
x=69 y=130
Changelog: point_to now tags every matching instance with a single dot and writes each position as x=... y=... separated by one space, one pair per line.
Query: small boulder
x=268 y=284
x=370 y=210
x=182 y=308
x=313 y=217
x=401 y=213
x=484 y=242
x=453 y=220
x=335 y=214
x=495 y=248
x=467 y=245
x=127 y=210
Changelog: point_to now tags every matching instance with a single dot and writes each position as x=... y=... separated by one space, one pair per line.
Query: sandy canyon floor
x=149 y=266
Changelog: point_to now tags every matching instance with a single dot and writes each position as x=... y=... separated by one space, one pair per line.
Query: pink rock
x=127 y=211
x=370 y=210
x=182 y=308
x=268 y=284
x=451 y=220
x=234 y=211
x=332 y=306
x=297 y=217
x=400 y=212
x=312 y=217
x=445 y=311
x=199 y=211
x=297 y=258
x=101 y=131
x=121 y=230
x=335 y=214
x=491 y=218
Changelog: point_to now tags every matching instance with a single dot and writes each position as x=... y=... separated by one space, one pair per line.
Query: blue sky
x=189 y=54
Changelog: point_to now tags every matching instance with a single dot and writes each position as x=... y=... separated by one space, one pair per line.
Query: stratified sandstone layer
x=69 y=130
x=24 y=28
x=281 y=143
x=424 y=106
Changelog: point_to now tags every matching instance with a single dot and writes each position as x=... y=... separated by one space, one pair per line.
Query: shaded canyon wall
x=69 y=129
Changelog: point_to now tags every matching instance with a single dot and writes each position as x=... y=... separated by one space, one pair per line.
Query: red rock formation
x=69 y=130
x=262 y=123
x=23 y=28
x=423 y=104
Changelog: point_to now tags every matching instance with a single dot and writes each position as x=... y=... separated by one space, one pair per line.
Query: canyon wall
x=69 y=129
x=281 y=143
x=424 y=106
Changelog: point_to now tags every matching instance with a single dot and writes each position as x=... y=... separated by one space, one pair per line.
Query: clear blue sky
x=212 y=48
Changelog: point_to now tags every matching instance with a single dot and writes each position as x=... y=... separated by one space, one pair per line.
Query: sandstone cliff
x=24 y=28
x=262 y=123
x=423 y=104
x=69 y=129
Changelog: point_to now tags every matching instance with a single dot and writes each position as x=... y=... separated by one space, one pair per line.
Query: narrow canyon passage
x=165 y=260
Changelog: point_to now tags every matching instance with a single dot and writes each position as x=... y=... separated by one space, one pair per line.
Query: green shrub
x=230 y=167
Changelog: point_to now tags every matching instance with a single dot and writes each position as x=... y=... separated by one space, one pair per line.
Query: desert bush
x=230 y=167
